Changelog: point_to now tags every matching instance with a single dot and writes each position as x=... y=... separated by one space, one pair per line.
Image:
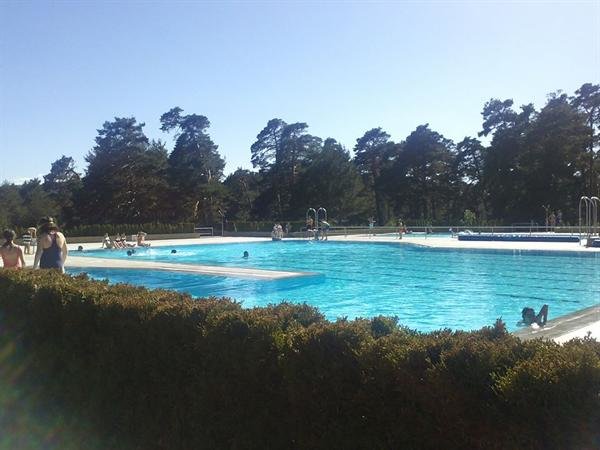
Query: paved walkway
x=580 y=324
x=447 y=242
x=422 y=240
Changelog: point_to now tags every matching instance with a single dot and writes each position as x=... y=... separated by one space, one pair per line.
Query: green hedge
x=263 y=226
x=129 y=229
x=88 y=365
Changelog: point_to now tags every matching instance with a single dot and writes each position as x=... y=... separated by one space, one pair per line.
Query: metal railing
x=588 y=218
x=417 y=230
x=595 y=210
x=451 y=230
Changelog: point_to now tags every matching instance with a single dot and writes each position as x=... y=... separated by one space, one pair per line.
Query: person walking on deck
x=26 y=241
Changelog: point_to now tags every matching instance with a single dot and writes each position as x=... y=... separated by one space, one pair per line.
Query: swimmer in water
x=533 y=320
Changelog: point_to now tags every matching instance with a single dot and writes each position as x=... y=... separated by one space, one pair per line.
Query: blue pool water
x=426 y=288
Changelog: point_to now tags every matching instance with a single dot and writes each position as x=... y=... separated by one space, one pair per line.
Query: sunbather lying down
x=533 y=320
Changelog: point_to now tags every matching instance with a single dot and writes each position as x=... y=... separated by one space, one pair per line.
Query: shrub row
x=88 y=365
x=262 y=226
x=129 y=229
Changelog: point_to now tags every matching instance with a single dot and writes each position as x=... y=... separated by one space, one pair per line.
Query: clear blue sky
x=342 y=67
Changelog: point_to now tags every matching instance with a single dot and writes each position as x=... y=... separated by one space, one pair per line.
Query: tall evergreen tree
x=62 y=184
x=553 y=159
x=469 y=163
x=373 y=153
x=242 y=190
x=267 y=150
x=280 y=151
x=195 y=168
x=121 y=174
x=332 y=181
x=13 y=210
x=503 y=180
x=154 y=185
x=36 y=202
x=587 y=100
x=423 y=169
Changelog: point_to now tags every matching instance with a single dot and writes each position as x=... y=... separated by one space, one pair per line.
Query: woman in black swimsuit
x=52 y=249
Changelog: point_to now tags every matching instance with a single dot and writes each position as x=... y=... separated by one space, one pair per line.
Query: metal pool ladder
x=591 y=226
x=315 y=214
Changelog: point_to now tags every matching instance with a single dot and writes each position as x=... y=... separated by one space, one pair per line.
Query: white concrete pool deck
x=577 y=325
x=447 y=242
x=239 y=272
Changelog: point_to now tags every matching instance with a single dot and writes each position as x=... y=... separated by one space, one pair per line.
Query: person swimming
x=173 y=251
x=246 y=254
x=531 y=319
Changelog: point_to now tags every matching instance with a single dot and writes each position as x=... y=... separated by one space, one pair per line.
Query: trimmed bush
x=86 y=365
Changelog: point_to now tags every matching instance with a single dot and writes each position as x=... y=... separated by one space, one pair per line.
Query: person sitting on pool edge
x=141 y=239
x=106 y=242
x=530 y=319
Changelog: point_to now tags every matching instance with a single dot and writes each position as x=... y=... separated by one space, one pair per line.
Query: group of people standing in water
x=51 y=247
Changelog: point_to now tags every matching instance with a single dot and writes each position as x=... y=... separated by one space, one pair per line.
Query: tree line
x=521 y=162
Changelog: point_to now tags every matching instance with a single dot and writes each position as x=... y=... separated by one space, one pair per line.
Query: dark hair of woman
x=9 y=235
x=47 y=224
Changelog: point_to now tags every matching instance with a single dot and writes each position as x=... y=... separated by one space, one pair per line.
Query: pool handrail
x=315 y=223
x=317 y=220
x=585 y=201
x=595 y=202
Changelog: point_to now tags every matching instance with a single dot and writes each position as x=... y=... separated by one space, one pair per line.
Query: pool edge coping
x=83 y=262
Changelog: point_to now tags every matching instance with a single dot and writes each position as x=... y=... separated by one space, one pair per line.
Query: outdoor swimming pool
x=426 y=288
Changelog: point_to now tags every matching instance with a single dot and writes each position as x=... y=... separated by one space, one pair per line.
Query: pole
x=222 y=222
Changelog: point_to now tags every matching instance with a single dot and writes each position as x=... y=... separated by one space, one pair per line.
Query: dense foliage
x=86 y=365
x=131 y=229
x=535 y=162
